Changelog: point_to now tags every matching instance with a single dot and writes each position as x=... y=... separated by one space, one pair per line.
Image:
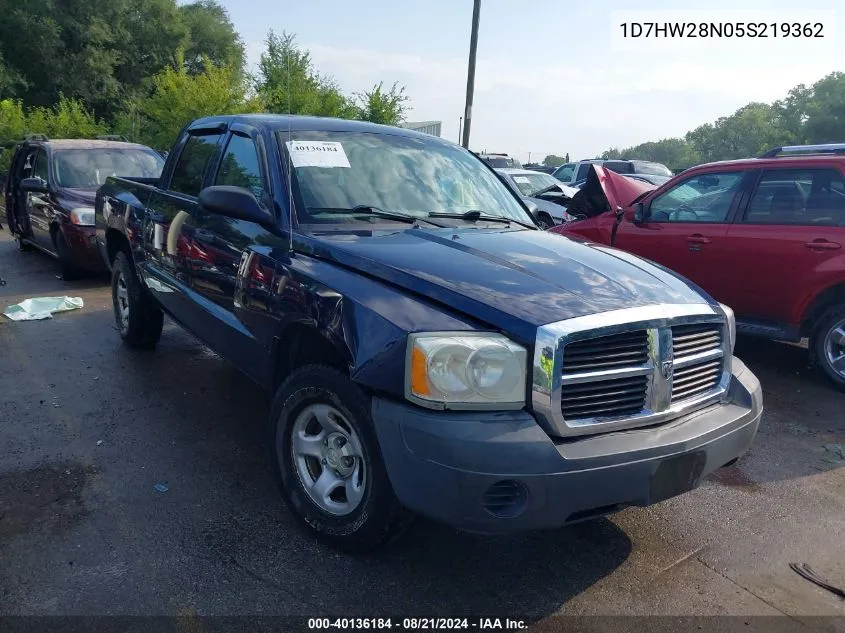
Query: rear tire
x=139 y=319
x=329 y=463
x=828 y=345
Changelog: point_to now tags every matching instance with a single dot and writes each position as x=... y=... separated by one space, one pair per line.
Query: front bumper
x=450 y=466
x=83 y=247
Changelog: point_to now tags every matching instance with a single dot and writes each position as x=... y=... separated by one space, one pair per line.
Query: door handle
x=698 y=239
x=823 y=245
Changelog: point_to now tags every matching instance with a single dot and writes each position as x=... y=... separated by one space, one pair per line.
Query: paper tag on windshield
x=522 y=179
x=317 y=154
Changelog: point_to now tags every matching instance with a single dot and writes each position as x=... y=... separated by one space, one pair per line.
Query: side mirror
x=34 y=185
x=533 y=209
x=234 y=202
x=639 y=213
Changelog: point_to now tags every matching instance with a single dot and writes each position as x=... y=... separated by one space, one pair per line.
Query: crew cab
x=49 y=194
x=430 y=349
x=763 y=235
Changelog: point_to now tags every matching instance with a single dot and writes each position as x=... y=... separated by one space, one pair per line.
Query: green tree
x=825 y=111
x=212 y=36
x=66 y=119
x=178 y=97
x=552 y=160
x=288 y=82
x=382 y=106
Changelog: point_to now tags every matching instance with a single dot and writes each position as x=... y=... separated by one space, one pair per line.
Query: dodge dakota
x=431 y=351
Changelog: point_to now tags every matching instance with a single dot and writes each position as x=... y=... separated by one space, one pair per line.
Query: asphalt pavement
x=89 y=429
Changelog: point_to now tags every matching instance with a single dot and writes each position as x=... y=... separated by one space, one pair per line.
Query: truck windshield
x=86 y=168
x=335 y=172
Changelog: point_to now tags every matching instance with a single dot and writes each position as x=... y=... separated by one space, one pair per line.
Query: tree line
x=144 y=68
x=807 y=115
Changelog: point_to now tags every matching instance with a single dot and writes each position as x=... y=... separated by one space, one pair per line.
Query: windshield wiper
x=474 y=216
x=369 y=209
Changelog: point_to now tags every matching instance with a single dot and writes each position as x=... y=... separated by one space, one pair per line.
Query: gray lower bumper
x=443 y=464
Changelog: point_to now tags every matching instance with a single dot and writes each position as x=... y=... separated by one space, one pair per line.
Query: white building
x=427 y=127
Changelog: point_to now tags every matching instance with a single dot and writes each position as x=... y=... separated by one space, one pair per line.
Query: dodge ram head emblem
x=666 y=368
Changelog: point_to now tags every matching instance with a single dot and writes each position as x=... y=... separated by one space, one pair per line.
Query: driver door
x=686 y=227
x=38 y=206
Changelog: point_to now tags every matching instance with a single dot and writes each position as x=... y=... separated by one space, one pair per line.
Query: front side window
x=39 y=169
x=335 y=172
x=564 y=172
x=240 y=166
x=807 y=197
x=89 y=168
x=189 y=170
x=701 y=198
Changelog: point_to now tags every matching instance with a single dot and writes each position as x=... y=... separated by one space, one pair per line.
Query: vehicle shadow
x=802 y=432
x=431 y=569
x=184 y=417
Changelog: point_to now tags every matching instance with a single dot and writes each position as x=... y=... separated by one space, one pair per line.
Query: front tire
x=545 y=221
x=328 y=461
x=69 y=271
x=139 y=320
x=828 y=345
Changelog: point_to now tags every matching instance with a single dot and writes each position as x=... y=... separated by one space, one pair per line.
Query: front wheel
x=828 y=345
x=69 y=271
x=139 y=320
x=545 y=222
x=329 y=463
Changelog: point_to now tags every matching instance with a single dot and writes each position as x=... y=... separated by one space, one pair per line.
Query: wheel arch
x=826 y=299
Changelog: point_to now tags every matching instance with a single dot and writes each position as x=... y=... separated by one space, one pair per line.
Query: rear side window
x=619 y=166
x=804 y=197
x=190 y=168
x=583 y=170
x=240 y=166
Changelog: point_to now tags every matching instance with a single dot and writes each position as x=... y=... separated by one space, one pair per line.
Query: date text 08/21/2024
x=414 y=624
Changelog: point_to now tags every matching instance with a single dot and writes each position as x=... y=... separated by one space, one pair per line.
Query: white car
x=549 y=194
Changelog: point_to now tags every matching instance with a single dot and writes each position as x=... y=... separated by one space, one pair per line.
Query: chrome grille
x=612 y=397
x=696 y=380
x=629 y=368
x=606 y=352
x=695 y=338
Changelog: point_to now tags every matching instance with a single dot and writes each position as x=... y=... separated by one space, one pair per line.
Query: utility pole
x=473 y=44
x=460 y=122
x=529 y=157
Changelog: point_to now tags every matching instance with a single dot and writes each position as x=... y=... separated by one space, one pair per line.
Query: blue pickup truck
x=431 y=351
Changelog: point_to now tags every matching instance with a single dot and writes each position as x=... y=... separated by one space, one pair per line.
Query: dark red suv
x=762 y=235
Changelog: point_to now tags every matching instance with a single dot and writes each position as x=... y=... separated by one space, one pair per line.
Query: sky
x=554 y=76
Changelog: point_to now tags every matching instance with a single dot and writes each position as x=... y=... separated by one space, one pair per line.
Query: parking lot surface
x=88 y=429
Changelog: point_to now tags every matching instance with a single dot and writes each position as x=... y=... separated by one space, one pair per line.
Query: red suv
x=762 y=235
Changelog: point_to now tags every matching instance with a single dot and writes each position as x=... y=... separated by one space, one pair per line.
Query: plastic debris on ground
x=161 y=487
x=41 y=308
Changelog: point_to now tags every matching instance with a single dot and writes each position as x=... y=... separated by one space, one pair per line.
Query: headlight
x=731 y=324
x=465 y=371
x=83 y=216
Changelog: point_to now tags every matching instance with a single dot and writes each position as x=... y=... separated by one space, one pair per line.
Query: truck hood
x=605 y=190
x=514 y=280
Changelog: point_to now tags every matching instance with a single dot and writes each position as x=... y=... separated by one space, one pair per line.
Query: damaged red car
x=762 y=235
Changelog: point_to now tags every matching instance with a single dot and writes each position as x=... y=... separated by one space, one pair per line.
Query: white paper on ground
x=41 y=308
x=317 y=154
